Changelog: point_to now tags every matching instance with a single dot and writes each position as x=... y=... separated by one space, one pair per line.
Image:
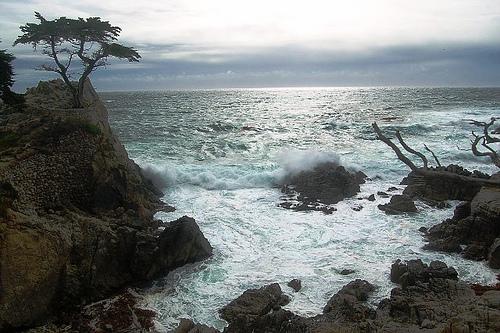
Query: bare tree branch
x=395 y=148
x=485 y=140
x=411 y=150
x=433 y=155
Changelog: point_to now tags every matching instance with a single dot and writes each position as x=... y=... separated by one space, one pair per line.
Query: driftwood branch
x=486 y=139
x=433 y=155
x=411 y=150
x=395 y=148
x=441 y=172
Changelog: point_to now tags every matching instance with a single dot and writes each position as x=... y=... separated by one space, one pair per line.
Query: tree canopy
x=7 y=79
x=91 y=41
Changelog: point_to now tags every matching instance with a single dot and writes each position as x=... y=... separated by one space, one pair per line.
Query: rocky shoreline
x=76 y=214
x=429 y=298
x=77 y=228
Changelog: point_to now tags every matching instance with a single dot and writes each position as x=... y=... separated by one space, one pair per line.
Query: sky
x=191 y=44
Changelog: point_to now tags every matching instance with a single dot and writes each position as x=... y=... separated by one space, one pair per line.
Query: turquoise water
x=217 y=154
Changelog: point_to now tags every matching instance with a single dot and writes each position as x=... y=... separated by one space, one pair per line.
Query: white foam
x=231 y=177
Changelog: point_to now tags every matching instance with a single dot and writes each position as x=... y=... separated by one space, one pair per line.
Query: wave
x=236 y=176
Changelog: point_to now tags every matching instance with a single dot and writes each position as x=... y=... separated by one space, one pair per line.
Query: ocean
x=218 y=155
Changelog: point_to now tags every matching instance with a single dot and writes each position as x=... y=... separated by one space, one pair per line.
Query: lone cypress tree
x=90 y=40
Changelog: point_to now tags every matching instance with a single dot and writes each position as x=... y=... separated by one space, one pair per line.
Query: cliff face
x=76 y=214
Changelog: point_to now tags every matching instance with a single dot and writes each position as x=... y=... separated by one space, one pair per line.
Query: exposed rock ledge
x=76 y=214
x=430 y=299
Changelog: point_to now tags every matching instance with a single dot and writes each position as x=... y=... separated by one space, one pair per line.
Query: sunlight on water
x=219 y=153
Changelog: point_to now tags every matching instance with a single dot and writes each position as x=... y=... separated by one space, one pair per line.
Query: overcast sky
x=265 y=43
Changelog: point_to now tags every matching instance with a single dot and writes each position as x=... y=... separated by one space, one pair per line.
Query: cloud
x=194 y=43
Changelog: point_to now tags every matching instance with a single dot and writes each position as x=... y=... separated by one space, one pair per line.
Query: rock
x=99 y=235
x=426 y=323
x=399 y=204
x=371 y=197
x=413 y=271
x=188 y=326
x=117 y=314
x=435 y=302
x=494 y=254
x=423 y=230
x=462 y=210
x=255 y=302
x=435 y=187
x=347 y=271
x=392 y=189
x=492 y=298
x=473 y=224
x=326 y=184
x=295 y=284
x=359 y=289
x=383 y=194
x=246 y=312
x=475 y=251
x=357 y=208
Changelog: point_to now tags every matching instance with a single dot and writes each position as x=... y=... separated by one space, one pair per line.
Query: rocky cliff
x=76 y=214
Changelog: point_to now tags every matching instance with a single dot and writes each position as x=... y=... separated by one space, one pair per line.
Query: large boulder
x=326 y=184
x=473 y=224
x=432 y=186
x=399 y=204
x=494 y=254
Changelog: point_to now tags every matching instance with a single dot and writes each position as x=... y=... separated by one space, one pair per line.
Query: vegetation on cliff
x=7 y=80
x=91 y=40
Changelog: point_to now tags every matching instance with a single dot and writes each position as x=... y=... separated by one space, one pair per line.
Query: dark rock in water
x=392 y=189
x=357 y=208
x=245 y=313
x=494 y=254
x=474 y=224
x=413 y=271
x=432 y=299
x=435 y=187
x=347 y=271
x=304 y=207
x=399 y=204
x=359 y=289
x=295 y=284
x=462 y=210
x=475 y=251
x=326 y=184
x=188 y=326
x=383 y=194
x=422 y=230
x=347 y=305
x=371 y=197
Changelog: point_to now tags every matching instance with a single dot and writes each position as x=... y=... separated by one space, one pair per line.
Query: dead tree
x=424 y=170
x=486 y=139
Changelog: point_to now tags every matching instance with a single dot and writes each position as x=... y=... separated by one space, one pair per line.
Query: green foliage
x=91 y=40
x=6 y=71
x=6 y=80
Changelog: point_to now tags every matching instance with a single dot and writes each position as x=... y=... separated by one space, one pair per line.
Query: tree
x=6 y=79
x=440 y=171
x=90 y=40
x=486 y=139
